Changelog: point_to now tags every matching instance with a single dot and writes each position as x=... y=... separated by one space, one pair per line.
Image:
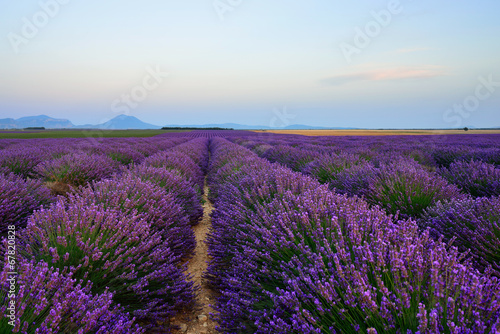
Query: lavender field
x=354 y=234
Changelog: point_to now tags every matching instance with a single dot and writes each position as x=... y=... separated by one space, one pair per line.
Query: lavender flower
x=197 y=150
x=407 y=188
x=22 y=160
x=474 y=177
x=18 y=199
x=76 y=169
x=140 y=198
x=294 y=158
x=47 y=301
x=473 y=223
x=290 y=256
x=326 y=168
x=179 y=163
x=121 y=253
x=172 y=182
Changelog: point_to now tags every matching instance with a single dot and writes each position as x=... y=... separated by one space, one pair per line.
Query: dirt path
x=200 y=322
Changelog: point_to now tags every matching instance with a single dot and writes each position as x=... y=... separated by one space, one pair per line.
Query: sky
x=362 y=63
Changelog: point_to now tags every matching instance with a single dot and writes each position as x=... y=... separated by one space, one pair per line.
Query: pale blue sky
x=263 y=55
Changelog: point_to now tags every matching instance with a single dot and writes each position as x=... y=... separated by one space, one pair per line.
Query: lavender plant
x=179 y=163
x=289 y=256
x=124 y=155
x=326 y=167
x=118 y=252
x=19 y=198
x=76 y=169
x=292 y=157
x=197 y=150
x=474 y=224
x=474 y=177
x=354 y=181
x=407 y=188
x=47 y=301
x=21 y=161
x=172 y=182
x=133 y=196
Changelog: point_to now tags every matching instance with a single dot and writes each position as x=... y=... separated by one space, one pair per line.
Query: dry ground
x=200 y=321
x=377 y=132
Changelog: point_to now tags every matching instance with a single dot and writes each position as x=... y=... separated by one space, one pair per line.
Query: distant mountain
x=8 y=123
x=122 y=122
x=35 y=121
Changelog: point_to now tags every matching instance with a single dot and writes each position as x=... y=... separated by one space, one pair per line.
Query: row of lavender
x=291 y=256
x=32 y=167
x=435 y=150
x=22 y=156
x=110 y=253
x=459 y=200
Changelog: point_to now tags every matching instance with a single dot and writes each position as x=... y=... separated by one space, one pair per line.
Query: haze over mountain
x=35 y=121
x=121 y=122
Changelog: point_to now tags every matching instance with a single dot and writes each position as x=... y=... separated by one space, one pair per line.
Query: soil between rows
x=199 y=321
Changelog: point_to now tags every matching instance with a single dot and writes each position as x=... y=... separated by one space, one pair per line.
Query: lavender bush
x=184 y=191
x=474 y=177
x=133 y=196
x=474 y=223
x=325 y=168
x=18 y=199
x=21 y=161
x=354 y=181
x=124 y=155
x=179 y=163
x=289 y=256
x=47 y=301
x=113 y=251
x=76 y=169
x=294 y=158
x=407 y=188
x=197 y=150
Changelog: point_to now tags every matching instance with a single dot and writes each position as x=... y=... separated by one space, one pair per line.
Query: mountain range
x=128 y=122
x=35 y=121
x=121 y=122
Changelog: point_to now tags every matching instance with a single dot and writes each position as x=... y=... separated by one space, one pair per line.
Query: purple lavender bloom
x=179 y=163
x=290 y=256
x=146 y=200
x=76 y=169
x=122 y=253
x=406 y=187
x=186 y=195
x=474 y=177
x=22 y=160
x=474 y=225
x=47 y=301
x=19 y=198
x=296 y=159
x=124 y=155
x=197 y=150
x=354 y=181
x=326 y=167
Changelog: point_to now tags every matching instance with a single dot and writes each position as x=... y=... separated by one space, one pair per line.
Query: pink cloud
x=385 y=75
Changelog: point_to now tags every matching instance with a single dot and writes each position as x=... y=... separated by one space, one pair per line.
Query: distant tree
x=466 y=129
